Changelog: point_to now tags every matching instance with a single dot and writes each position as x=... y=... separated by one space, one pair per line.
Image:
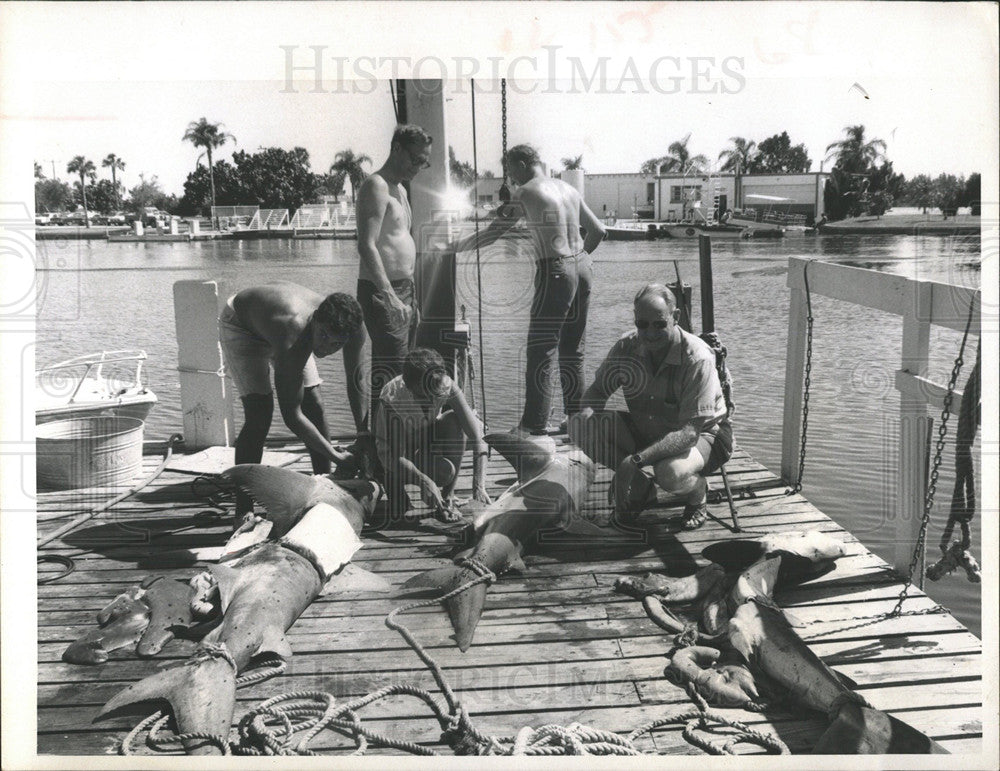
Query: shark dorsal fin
x=285 y=494
x=529 y=455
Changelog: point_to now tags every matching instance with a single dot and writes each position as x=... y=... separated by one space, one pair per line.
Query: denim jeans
x=557 y=328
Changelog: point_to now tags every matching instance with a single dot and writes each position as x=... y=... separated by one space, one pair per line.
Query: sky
x=586 y=80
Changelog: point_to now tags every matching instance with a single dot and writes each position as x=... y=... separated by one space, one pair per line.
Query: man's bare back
x=552 y=211
x=278 y=312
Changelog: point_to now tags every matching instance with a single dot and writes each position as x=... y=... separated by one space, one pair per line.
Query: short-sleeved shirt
x=683 y=388
x=397 y=400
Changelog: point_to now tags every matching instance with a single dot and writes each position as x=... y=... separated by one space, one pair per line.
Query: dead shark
x=752 y=646
x=761 y=634
x=262 y=593
x=550 y=490
x=149 y=614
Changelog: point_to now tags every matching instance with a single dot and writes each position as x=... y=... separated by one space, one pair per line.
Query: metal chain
x=797 y=487
x=918 y=549
x=504 y=193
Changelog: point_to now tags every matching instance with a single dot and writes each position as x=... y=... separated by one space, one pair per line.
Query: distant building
x=673 y=197
x=623 y=196
x=678 y=194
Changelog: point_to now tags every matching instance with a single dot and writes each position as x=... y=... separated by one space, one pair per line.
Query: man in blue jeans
x=554 y=213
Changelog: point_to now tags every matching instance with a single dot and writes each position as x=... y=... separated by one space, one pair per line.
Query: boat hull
x=631 y=234
x=138 y=407
x=693 y=231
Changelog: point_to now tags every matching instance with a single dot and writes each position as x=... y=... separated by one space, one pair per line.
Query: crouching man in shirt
x=676 y=424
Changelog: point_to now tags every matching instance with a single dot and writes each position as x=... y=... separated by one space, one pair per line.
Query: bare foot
x=448 y=513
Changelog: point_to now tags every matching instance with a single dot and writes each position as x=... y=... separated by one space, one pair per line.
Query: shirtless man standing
x=388 y=255
x=554 y=212
x=286 y=326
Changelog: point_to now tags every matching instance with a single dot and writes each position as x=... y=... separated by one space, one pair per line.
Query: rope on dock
x=155 y=722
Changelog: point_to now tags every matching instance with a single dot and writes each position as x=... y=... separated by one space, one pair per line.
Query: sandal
x=694 y=516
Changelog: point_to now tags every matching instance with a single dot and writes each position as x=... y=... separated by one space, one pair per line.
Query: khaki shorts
x=248 y=358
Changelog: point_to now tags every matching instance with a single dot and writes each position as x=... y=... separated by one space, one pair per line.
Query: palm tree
x=571 y=164
x=353 y=166
x=83 y=167
x=853 y=154
x=115 y=163
x=739 y=155
x=207 y=135
x=678 y=159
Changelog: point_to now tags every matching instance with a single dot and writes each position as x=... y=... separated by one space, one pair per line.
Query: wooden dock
x=555 y=645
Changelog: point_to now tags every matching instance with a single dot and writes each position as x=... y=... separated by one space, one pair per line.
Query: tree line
x=272 y=178
x=861 y=181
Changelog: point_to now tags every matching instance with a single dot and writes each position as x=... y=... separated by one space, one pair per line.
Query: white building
x=674 y=197
x=677 y=195
x=623 y=196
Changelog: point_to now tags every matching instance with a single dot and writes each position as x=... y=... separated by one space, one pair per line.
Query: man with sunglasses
x=286 y=327
x=388 y=255
x=677 y=423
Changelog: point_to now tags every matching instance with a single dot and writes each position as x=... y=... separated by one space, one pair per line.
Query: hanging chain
x=797 y=487
x=479 y=271
x=504 y=193
x=931 y=489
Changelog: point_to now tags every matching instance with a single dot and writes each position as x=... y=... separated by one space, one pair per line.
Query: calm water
x=96 y=295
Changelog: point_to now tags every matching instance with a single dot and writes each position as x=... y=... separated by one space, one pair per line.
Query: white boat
x=631 y=230
x=106 y=383
x=695 y=229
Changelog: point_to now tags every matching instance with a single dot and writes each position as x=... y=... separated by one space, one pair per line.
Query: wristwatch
x=637 y=460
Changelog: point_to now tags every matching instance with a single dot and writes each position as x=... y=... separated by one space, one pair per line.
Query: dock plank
x=555 y=644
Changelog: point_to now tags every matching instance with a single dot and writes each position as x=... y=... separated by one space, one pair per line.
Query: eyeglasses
x=658 y=324
x=420 y=161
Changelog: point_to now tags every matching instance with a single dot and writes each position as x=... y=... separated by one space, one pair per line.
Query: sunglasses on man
x=420 y=161
x=658 y=324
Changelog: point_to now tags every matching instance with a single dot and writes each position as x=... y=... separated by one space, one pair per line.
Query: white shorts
x=248 y=357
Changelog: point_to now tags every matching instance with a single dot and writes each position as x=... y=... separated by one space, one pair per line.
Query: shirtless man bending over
x=286 y=326
x=388 y=255
x=554 y=212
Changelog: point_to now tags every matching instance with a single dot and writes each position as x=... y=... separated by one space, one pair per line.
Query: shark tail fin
x=861 y=730
x=464 y=609
x=201 y=692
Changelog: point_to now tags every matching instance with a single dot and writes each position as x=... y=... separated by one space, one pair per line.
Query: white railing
x=334 y=215
x=921 y=304
x=264 y=219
